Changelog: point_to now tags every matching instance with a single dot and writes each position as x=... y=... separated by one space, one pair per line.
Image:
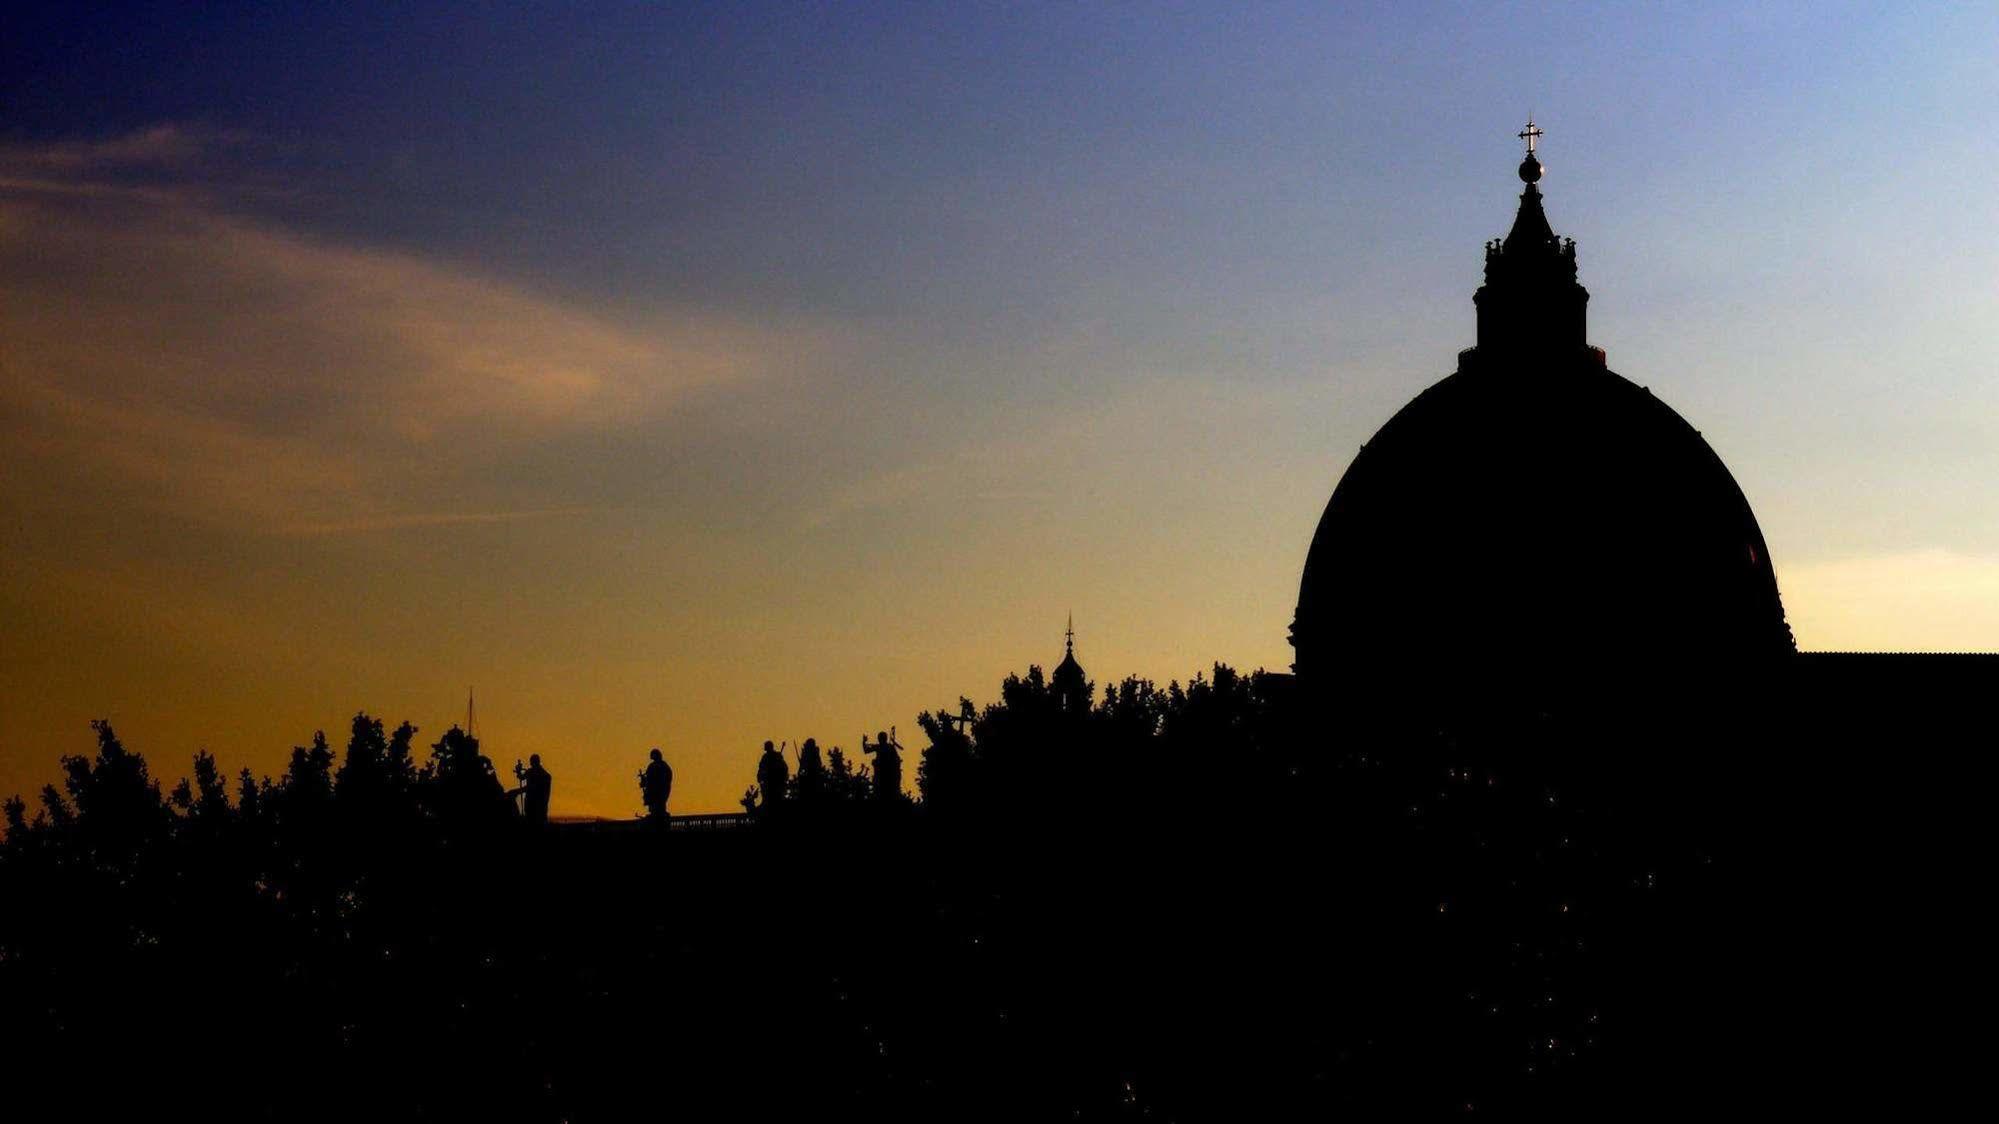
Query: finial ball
x=1530 y=169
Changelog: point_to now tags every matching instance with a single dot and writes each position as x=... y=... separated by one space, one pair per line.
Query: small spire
x=1069 y=636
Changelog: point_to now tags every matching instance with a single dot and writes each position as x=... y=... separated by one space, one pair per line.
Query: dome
x=1070 y=684
x=1535 y=517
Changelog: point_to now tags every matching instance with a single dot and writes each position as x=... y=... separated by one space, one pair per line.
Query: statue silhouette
x=811 y=770
x=888 y=765
x=535 y=785
x=772 y=776
x=655 y=785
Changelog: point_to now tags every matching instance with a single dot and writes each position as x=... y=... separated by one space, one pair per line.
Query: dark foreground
x=1427 y=928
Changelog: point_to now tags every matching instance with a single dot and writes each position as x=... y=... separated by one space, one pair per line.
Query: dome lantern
x=1531 y=300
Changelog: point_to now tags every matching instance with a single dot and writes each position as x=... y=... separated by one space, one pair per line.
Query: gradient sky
x=693 y=377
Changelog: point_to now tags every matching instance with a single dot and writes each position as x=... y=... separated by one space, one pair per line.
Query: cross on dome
x=1530 y=134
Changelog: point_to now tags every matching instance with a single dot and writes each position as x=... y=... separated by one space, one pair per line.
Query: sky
x=694 y=375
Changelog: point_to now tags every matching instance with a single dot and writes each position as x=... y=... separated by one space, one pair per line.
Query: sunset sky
x=689 y=376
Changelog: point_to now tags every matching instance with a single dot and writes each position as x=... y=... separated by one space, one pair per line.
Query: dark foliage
x=1188 y=902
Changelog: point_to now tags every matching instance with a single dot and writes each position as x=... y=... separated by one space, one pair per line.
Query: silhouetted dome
x=1069 y=683
x=1068 y=671
x=1535 y=516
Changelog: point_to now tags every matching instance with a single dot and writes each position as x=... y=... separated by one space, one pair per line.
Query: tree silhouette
x=945 y=769
x=845 y=783
x=1184 y=901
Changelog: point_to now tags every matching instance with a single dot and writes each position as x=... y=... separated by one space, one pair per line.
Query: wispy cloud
x=165 y=145
x=244 y=372
x=432 y=519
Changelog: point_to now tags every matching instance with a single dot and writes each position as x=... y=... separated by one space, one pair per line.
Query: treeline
x=1035 y=747
x=151 y=938
x=1220 y=735
x=110 y=815
x=1196 y=901
x=384 y=899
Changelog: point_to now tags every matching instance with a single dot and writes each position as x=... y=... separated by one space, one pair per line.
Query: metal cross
x=1530 y=134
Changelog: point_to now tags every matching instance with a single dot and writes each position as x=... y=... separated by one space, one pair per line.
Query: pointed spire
x=1069 y=636
x=1530 y=224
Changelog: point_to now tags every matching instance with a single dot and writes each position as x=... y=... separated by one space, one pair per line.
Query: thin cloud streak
x=165 y=145
x=85 y=189
x=428 y=519
x=250 y=375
